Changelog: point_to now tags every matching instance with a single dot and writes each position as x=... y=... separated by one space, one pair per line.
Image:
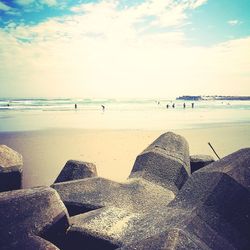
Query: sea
x=104 y=113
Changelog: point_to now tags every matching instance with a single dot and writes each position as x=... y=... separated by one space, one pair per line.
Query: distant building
x=213 y=97
x=189 y=98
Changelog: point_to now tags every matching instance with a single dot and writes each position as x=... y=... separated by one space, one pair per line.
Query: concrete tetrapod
x=74 y=170
x=11 y=167
x=31 y=243
x=145 y=192
x=165 y=162
x=211 y=211
x=172 y=239
x=30 y=212
x=136 y=194
x=199 y=161
x=212 y=208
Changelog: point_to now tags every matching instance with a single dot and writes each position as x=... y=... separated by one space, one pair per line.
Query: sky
x=130 y=49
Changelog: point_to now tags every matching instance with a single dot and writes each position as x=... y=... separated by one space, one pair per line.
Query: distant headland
x=213 y=97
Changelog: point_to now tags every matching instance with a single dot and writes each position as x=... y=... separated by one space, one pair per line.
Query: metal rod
x=213 y=150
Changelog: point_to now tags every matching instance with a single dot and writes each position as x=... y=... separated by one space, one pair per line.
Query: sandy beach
x=113 y=151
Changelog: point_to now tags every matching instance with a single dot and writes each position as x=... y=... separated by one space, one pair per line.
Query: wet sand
x=113 y=151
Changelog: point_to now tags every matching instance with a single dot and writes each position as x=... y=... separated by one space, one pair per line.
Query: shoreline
x=112 y=150
x=199 y=126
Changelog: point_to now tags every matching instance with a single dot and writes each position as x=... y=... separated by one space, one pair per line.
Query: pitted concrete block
x=166 y=162
x=199 y=161
x=74 y=170
x=11 y=168
x=35 y=211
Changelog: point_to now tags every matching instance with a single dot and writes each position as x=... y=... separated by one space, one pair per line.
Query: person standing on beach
x=75 y=106
x=103 y=108
x=173 y=106
x=184 y=105
x=192 y=105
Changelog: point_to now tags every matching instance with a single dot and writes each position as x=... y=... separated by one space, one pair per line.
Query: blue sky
x=219 y=20
x=124 y=48
x=215 y=21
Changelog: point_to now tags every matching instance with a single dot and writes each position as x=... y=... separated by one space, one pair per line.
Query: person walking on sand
x=184 y=105
x=75 y=106
x=192 y=105
x=173 y=106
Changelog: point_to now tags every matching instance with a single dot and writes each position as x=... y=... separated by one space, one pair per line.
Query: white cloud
x=4 y=7
x=29 y=2
x=166 y=13
x=49 y=2
x=24 y=2
x=104 y=51
x=233 y=22
x=197 y=3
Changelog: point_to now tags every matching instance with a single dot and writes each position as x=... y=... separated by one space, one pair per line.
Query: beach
x=49 y=132
x=113 y=151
